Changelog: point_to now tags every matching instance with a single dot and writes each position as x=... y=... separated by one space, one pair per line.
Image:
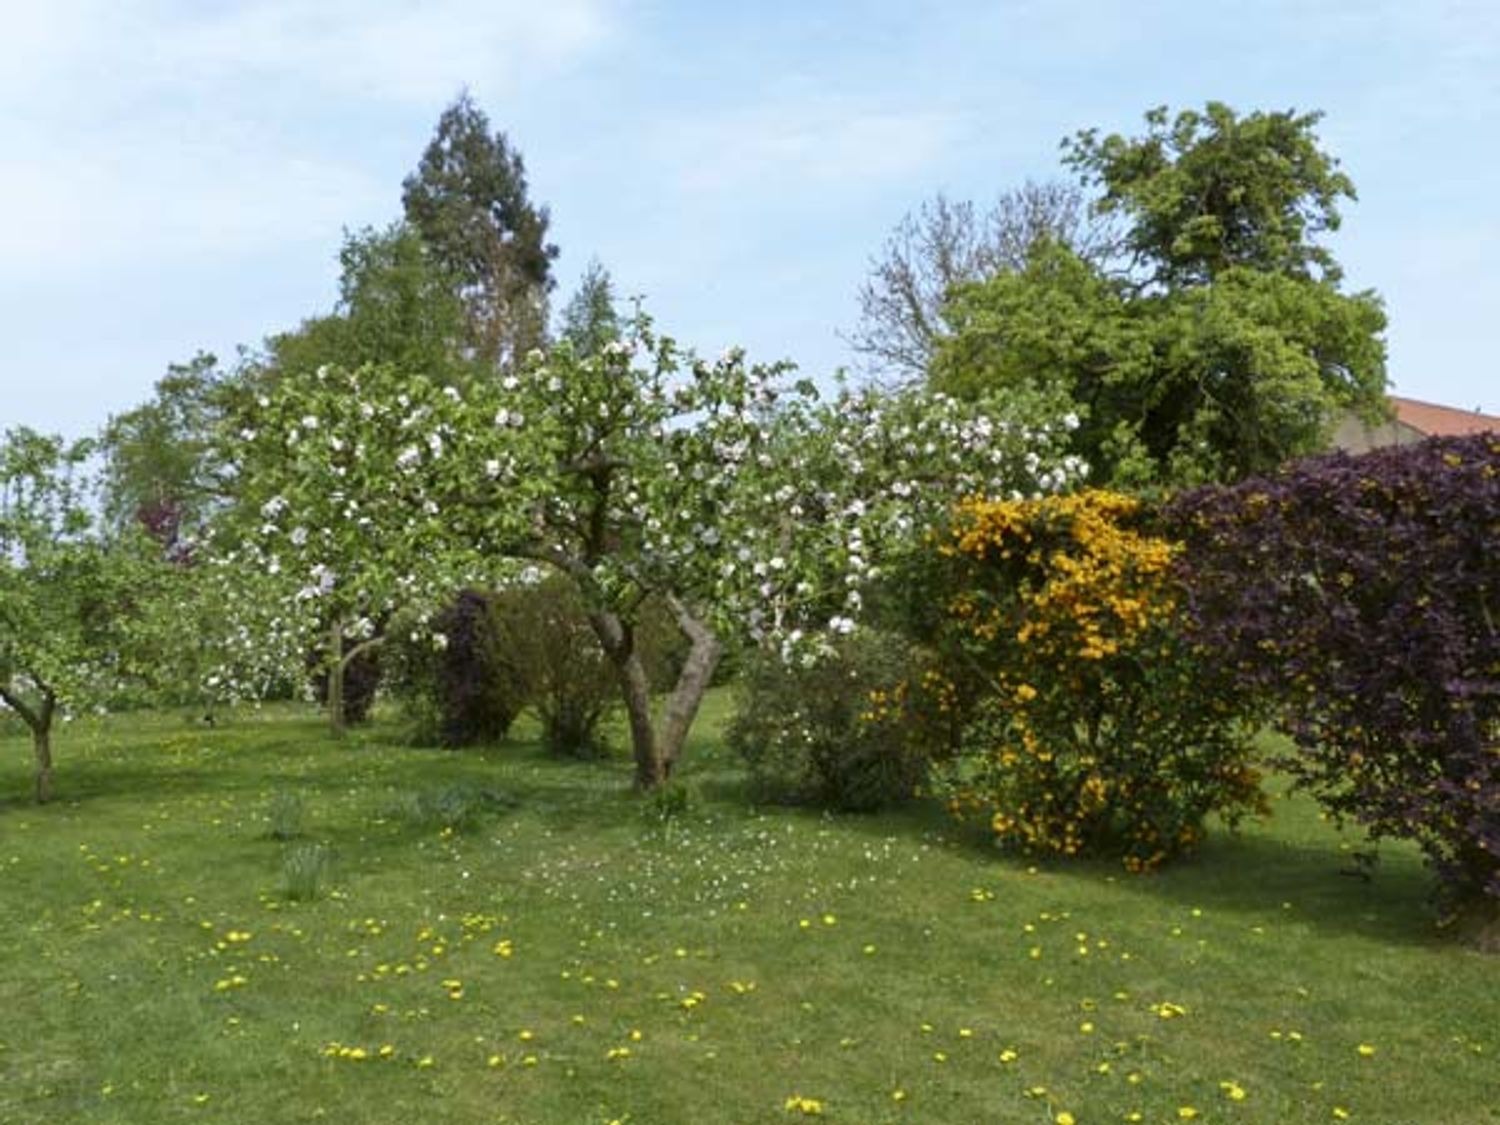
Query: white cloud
x=399 y=50
x=146 y=131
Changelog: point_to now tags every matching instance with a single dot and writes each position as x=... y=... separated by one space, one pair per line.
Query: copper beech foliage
x=1360 y=596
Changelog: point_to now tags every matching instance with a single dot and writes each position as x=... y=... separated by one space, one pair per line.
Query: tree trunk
x=692 y=684
x=41 y=745
x=39 y=722
x=656 y=750
x=618 y=643
x=335 y=658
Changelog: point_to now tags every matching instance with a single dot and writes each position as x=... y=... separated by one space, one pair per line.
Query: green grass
x=676 y=964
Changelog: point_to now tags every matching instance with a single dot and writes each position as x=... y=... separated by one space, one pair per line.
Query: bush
x=1090 y=723
x=465 y=689
x=842 y=733
x=284 y=816
x=456 y=807
x=305 y=870
x=1361 y=596
x=557 y=661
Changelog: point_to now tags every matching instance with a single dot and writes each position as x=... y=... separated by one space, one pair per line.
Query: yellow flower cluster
x=1070 y=606
x=1094 y=584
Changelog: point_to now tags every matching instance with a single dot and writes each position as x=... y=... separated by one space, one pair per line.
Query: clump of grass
x=304 y=872
x=457 y=807
x=284 y=816
x=666 y=806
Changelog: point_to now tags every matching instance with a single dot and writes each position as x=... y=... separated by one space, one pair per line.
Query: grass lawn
x=566 y=958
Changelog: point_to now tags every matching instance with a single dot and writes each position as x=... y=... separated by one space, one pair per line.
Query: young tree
x=750 y=509
x=467 y=199
x=590 y=320
x=336 y=525
x=66 y=594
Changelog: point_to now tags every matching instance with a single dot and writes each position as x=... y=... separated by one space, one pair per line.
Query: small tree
x=735 y=498
x=641 y=473
x=159 y=467
x=946 y=243
x=66 y=594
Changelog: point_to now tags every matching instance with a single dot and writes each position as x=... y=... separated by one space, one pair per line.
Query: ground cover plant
x=501 y=935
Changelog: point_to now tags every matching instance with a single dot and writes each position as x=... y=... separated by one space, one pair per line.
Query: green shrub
x=556 y=659
x=464 y=689
x=843 y=733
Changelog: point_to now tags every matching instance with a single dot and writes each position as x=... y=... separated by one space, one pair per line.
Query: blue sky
x=177 y=175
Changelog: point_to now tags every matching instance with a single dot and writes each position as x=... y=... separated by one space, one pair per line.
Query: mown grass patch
x=499 y=936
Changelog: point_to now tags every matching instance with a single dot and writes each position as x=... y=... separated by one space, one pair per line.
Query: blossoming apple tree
x=335 y=530
x=751 y=507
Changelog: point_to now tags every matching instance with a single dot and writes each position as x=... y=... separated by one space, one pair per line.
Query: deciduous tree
x=67 y=595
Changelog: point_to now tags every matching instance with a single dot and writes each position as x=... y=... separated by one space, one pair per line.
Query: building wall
x=1354 y=435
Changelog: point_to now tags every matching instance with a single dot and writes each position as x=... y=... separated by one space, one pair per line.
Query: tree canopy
x=67 y=594
x=1204 y=192
x=1226 y=346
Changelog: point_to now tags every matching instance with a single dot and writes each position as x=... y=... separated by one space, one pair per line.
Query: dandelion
x=1233 y=1091
x=808 y=1107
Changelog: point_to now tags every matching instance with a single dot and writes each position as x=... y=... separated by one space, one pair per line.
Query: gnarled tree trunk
x=656 y=748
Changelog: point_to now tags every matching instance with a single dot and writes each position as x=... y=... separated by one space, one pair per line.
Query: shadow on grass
x=1249 y=874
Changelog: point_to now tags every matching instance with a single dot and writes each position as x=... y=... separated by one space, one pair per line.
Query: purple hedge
x=1360 y=596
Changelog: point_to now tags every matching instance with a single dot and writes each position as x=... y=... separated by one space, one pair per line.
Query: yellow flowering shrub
x=1089 y=726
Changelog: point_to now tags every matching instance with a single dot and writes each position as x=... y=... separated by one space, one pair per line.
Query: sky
x=177 y=175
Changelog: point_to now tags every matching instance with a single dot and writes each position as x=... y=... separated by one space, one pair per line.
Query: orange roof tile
x=1432 y=419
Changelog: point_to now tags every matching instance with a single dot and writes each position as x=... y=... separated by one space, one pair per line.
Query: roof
x=1430 y=419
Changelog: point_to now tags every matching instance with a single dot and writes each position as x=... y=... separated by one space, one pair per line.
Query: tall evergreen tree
x=468 y=201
